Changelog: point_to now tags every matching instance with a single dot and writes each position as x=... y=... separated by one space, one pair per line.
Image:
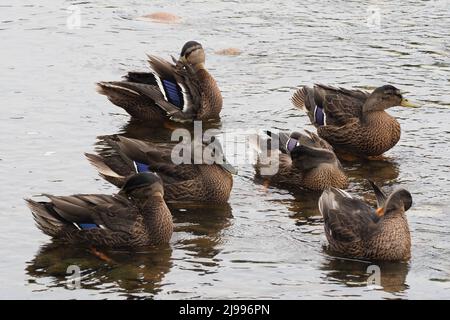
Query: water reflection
x=138 y=130
x=304 y=205
x=201 y=229
x=354 y=273
x=132 y=274
x=141 y=130
x=381 y=170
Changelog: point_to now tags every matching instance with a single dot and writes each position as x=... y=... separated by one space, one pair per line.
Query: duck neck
x=150 y=205
x=377 y=116
x=157 y=220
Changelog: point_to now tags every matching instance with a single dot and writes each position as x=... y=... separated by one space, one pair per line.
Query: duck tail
x=304 y=99
x=116 y=91
x=141 y=77
x=105 y=171
x=299 y=97
x=46 y=220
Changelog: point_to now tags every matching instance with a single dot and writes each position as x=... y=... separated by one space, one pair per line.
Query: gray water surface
x=268 y=243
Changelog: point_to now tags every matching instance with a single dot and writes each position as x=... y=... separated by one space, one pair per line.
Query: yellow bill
x=407 y=104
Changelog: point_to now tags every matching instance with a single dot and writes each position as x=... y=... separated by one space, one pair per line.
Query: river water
x=268 y=243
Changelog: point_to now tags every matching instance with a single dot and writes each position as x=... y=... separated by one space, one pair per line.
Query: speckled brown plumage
x=121 y=220
x=311 y=164
x=145 y=95
x=182 y=182
x=356 y=230
x=355 y=121
x=211 y=97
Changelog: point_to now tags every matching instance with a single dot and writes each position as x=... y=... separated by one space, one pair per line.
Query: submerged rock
x=229 y=52
x=160 y=17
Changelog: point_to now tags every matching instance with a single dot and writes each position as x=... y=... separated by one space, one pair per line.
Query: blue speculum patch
x=319 y=116
x=141 y=167
x=87 y=226
x=173 y=93
x=291 y=144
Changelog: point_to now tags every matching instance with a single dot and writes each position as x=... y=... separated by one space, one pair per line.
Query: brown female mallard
x=355 y=229
x=304 y=160
x=136 y=217
x=353 y=121
x=180 y=91
x=208 y=182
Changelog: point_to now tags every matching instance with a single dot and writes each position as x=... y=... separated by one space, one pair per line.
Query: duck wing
x=339 y=104
x=156 y=158
x=287 y=141
x=326 y=105
x=86 y=212
x=379 y=194
x=141 y=77
x=346 y=219
x=179 y=86
x=173 y=89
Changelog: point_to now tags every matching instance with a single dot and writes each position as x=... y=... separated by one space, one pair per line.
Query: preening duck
x=303 y=160
x=355 y=229
x=192 y=181
x=181 y=91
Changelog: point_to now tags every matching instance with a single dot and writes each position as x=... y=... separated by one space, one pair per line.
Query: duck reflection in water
x=383 y=171
x=198 y=233
x=199 y=230
x=356 y=273
x=137 y=129
x=132 y=274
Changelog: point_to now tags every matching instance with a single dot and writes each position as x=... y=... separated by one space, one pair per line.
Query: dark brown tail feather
x=45 y=219
x=141 y=77
x=105 y=171
x=303 y=99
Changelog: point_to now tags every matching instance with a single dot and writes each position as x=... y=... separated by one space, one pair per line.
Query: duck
x=304 y=161
x=356 y=230
x=181 y=91
x=354 y=122
x=135 y=217
x=185 y=180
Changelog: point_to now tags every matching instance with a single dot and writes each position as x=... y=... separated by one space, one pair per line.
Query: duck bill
x=408 y=104
x=228 y=167
x=182 y=60
x=380 y=212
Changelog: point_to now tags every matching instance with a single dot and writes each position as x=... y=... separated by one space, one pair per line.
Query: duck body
x=305 y=161
x=115 y=221
x=356 y=230
x=182 y=182
x=353 y=121
x=181 y=91
x=364 y=138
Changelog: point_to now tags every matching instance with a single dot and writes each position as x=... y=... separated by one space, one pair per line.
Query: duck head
x=398 y=202
x=306 y=157
x=143 y=186
x=385 y=97
x=192 y=53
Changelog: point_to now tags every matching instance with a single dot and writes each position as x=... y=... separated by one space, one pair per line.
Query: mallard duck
x=181 y=91
x=355 y=229
x=304 y=160
x=191 y=181
x=353 y=121
x=136 y=217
